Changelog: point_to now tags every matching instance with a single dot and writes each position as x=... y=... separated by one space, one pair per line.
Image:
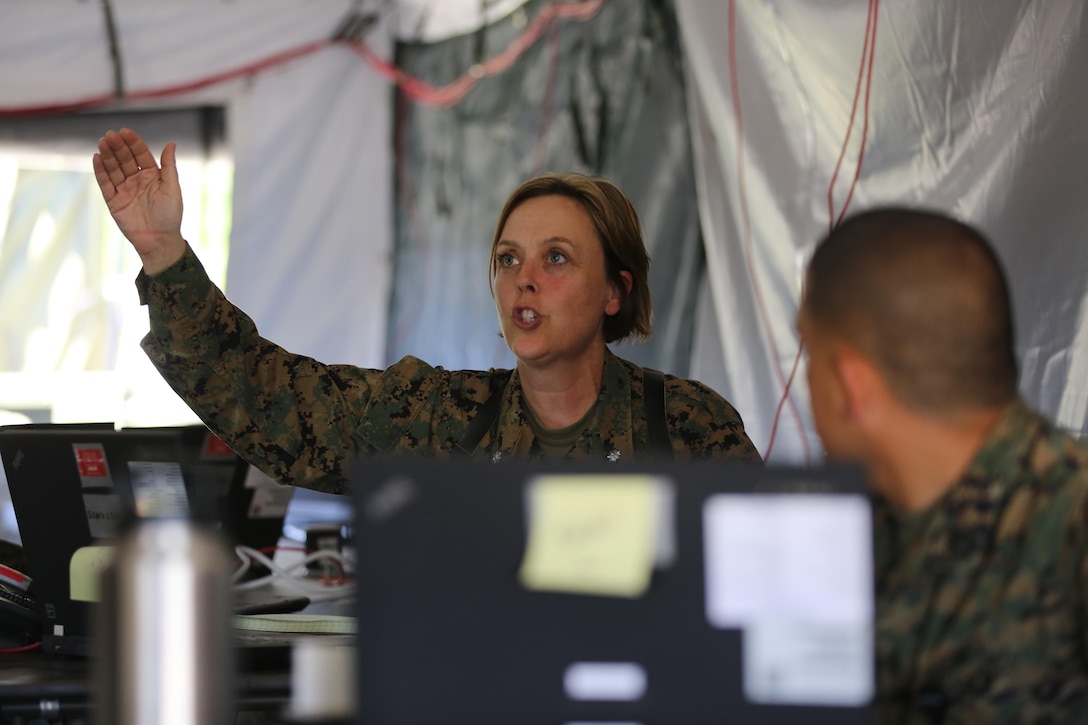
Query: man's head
x=920 y=300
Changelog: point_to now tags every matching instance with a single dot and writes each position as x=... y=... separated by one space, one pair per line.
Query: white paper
x=794 y=557
x=791 y=663
x=269 y=499
x=158 y=488
x=794 y=572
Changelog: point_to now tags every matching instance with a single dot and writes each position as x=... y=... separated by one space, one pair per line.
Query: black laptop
x=757 y=605
x=70 y=485
x=249 y=505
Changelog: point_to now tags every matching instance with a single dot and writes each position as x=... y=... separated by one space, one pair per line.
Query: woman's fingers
x=137 y=147
x=105 y=183
x=109 y=146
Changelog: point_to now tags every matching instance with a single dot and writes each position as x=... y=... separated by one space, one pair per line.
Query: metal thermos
x=164 y=646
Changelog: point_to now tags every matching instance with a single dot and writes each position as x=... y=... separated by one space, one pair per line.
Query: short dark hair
x=925 y=298
x=619 y=230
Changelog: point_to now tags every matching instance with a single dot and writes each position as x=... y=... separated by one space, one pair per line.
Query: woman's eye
x=507 y=260
x=557 y=257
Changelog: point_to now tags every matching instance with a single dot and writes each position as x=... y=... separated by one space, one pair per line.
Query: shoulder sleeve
x=1073 y=467
x=703 y=425
x=1077 y=544
x=289 y=415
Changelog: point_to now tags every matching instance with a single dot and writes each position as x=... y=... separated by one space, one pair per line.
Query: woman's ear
x=615 y=299
x=628 y=280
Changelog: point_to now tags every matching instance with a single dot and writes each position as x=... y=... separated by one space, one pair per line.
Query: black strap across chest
x=657 y=425
x=487 y=415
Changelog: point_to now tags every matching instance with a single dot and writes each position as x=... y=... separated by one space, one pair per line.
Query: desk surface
x=41 y=686
x=36 y=685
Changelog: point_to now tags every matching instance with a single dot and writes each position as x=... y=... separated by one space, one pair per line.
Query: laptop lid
x=70 y=488
x=249 y=505
x=72 y=485
x=757 y=604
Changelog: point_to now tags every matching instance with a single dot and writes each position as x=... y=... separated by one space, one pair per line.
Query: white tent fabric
x=310 y=139
x=976 y=108
x=429 y=21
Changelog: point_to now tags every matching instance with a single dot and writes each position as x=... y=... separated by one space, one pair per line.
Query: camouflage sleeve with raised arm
x=302 y=422
x=293 y=417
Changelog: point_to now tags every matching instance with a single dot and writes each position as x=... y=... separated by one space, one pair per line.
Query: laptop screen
x=559 y=594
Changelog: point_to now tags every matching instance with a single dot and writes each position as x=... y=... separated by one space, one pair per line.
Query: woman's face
x=551 y=289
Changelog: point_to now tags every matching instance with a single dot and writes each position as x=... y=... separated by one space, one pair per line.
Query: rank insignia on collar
x=497 y=457
x=613 y=456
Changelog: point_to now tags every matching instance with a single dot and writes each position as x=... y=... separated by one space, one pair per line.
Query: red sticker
x=91 y=462
x=214 y=447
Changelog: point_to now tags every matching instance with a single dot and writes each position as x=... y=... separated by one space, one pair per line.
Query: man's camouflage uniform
x=981 y=598
x=302 y=422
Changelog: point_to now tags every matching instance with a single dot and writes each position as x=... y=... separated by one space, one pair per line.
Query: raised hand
x=144 y=198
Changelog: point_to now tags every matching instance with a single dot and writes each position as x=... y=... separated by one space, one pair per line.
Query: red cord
x=417 y=90
x=24 y=648
x=548 y=103
x=98 y=101
x=778 y=410
x=407 y=194
x=343 y=577
x=451 y=93
x=746 y=231
x=868 y=50
x=865 y=69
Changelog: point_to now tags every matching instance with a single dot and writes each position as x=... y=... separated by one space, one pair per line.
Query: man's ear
x=860 y=382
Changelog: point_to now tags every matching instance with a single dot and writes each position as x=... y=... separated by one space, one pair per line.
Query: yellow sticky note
x=590 y=534
x=85 y=569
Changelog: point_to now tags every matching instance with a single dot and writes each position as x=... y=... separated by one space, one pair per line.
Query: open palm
x=144 y=198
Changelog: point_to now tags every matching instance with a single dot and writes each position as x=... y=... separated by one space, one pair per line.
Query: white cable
x=292 y=576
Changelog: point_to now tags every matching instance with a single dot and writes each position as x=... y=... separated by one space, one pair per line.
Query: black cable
x=355 y=24
x=115 y=50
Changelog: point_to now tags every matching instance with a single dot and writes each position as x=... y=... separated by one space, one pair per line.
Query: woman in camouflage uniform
x=569 y=275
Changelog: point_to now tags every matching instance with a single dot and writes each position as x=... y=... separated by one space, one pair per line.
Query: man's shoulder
x=1031 y=446
x=1055 y=456
x=1044 y=470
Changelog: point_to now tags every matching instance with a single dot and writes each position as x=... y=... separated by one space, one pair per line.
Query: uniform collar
x=607 y=437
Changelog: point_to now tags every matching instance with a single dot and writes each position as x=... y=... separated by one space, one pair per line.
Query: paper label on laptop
x=806 y=663
x=103 y=514
x=269 y=499
x=591 y=534
x=94 y=470
x=795 y=573
x=158 y=489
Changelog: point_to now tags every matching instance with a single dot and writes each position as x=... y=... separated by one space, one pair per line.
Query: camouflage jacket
x=981 y=598
x=302 y=422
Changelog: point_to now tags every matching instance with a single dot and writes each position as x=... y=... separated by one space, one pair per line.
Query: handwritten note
x=591 y=534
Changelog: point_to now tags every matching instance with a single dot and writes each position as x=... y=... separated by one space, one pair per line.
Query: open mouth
x=528 y=316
